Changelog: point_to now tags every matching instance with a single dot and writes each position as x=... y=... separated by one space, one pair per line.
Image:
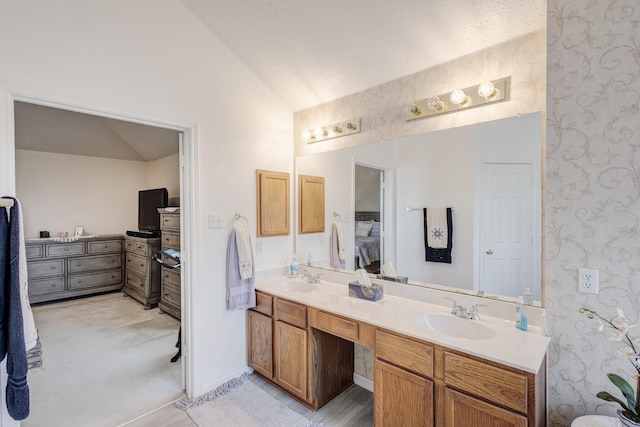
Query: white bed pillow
x=375 y=229
x=363 y=228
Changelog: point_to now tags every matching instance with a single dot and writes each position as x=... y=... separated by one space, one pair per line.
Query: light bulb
x=434 y=103
x=459 y=98
x=307 y=134
x=486 y=90
x=319 y=132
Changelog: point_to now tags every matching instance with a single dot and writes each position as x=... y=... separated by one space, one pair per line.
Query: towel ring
x=238 y=217
x=337 y=216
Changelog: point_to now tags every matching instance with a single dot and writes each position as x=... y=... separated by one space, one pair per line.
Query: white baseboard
x=363 y=382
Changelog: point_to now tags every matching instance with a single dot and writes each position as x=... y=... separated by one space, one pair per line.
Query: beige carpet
x=105 y=360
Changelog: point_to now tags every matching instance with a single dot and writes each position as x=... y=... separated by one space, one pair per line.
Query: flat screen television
x=148 y=203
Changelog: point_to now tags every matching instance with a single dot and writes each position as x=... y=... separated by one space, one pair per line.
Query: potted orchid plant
x=630 y=413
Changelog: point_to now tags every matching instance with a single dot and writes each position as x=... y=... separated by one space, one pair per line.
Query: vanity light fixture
x=335 y=130
x=460 y=99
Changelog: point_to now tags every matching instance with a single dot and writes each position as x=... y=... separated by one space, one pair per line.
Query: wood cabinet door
x=290 y=345
x=401 y=398
x=463 y=410
x=261 y=343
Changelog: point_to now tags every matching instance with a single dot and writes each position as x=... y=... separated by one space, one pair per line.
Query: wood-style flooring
x=353 y=408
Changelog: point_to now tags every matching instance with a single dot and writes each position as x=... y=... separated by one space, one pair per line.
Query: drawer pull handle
x=53 y=267
x=113 y=260
x=79 y=281
x=141 y=265
x=78 y=264
x=53 y=285
x=66 y=249
x=106 y=246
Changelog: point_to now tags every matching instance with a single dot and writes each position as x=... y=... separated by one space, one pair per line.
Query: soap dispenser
x=293 y=267
x=521 y=315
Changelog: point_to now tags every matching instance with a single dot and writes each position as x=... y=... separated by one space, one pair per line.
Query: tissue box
x=399 y=279
x=371 y=293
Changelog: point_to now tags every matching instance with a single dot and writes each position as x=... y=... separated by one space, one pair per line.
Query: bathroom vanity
x=301 y=338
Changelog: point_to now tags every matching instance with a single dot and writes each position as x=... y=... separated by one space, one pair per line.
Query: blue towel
x=241 y=293
x=17 y=395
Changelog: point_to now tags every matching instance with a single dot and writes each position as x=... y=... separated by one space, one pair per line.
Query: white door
x=506 y=234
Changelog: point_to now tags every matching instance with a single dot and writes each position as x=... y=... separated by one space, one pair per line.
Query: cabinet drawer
x=97 y=262
x=52 y=267
x=264 y=304
x=64 y=249
x=171 y=294
x=137 y=263
x=104 y=246
x=291 y=312
x=495 y=384
x=46 y=286
x=170 y=221
x=170 y=240
x=171 y=276
x=34 y=251
x=343 y=328
x=404 y=352
x=91 y=280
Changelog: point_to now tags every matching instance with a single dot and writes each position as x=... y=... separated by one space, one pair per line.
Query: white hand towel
x=340 y=233
x=245 y=258
x=437 y=230
x=30 y=331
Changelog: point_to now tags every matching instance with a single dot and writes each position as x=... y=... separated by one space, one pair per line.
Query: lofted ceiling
x=307 y=52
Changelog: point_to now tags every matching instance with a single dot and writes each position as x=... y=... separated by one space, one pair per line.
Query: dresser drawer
x=138 y=247
x=46 y=286
x=487 y=381
x=54 y=267
x=136 y=281
x=170 y=221
x=404 y=352
x=104 y=246
x=97 y=262
x=171 y=294
x=91 y=280
x=64 y=249
x=290 y=312
x=137 y=263
x=170 y=240
x=170 y=276
x=34 y=251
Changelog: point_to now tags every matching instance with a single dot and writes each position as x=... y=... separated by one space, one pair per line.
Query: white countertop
x=523 y=350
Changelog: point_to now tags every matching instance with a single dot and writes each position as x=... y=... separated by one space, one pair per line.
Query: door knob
x=489 y=252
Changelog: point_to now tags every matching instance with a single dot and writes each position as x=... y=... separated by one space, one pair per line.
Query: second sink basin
x=456 y=326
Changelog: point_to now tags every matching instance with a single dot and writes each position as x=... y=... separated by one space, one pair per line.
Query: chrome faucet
x=460 y=311
x=311 y=278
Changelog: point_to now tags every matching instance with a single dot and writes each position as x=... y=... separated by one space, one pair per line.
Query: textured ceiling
x=307 y=52
x=313 y=51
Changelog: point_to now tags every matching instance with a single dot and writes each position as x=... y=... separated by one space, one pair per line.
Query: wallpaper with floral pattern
x=592 y=194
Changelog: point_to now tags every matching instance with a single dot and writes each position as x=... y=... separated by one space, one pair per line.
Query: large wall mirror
x=490 y=174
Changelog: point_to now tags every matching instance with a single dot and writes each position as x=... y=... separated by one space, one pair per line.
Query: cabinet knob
x=53 y=267
x=53 y=285
x=113 y=260
x=141 y=265
x=66 y=249
x=106 y=246
x=78 y=264
x=78 y=281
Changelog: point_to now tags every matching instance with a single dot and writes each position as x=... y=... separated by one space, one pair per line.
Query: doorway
x=369 y=218
x=186 y=161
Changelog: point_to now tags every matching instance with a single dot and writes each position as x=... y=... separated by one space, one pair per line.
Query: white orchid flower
x=620 y=331
x=621 y=315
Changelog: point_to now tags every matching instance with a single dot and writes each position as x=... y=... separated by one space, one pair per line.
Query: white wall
x=165 y=173
x=152 y=59
x=59 y=192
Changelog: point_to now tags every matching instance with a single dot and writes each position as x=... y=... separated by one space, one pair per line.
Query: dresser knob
x=78 y=264
x=53 y=285
x=106 y=246
x=53 y=267
x=66 y=249
x=79 y=281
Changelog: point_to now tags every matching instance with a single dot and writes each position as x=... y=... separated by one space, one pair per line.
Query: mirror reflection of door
x=506 y=234
x=368 y=218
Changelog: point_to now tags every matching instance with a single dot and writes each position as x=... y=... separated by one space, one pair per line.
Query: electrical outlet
x=588 y=280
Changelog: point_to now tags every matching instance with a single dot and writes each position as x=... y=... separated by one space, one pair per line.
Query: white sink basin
x=298 y=286
x=458 y=327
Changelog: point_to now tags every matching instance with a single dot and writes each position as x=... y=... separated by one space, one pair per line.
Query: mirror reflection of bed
x=368 y=250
